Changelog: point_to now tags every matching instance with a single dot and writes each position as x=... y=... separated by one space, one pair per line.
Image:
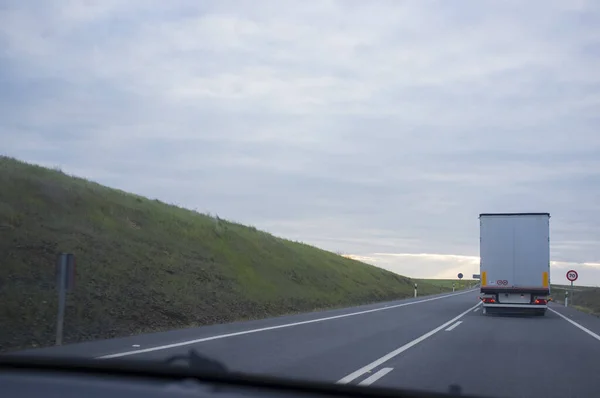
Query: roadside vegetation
x=144 y=266
x=584 y=298
x=448 y=283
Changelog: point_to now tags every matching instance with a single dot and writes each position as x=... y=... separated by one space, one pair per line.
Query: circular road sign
x=460 y=276
x=572 y=275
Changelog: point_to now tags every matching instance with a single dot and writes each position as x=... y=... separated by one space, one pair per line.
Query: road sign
x=460 y=276
x=476 y=276
x=572 y=275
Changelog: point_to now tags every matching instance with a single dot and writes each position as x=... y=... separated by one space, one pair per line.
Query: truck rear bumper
x=516 y=306
x=531 y=290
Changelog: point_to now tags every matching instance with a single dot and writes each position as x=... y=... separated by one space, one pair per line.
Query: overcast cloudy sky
x=379 y=129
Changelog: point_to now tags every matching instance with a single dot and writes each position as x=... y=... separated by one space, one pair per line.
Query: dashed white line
x=588 y=331
x=476 y=309
x=400 y=350
x=453 y=326
x=287 y=325
x=373 y=378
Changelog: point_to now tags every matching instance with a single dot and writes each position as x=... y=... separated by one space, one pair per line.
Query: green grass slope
x=143 y=265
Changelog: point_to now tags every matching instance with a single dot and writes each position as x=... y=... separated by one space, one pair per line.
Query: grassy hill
x=143 y=265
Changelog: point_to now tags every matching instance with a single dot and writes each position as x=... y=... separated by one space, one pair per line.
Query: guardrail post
x=62 y=298
x=65 y=280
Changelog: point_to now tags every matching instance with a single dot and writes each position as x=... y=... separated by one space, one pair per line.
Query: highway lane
x=137 y=344
x=504 y=356
x=328 y=350
x=425 y=343
x=317 y=346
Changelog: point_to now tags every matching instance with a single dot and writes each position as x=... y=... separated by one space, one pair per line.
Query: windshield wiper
x=198 y=362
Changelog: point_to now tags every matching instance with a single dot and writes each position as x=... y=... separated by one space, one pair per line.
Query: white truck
x=514 y=249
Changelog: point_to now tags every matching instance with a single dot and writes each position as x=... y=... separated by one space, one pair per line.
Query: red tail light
x=541 y=301
x=489 y=300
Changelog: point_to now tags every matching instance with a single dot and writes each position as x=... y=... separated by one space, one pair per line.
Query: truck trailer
x=514 y=250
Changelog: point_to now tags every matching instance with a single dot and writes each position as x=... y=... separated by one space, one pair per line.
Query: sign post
x=65 y=281
x=572 y=276
x=460 y=276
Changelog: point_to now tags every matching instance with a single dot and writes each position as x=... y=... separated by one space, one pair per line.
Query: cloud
x=448 y=266
x=363 y=127
x=425 y=265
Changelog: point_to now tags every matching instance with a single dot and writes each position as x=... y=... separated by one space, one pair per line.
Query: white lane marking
x=400 y=350
x=476 y=309
x=453 y=326
x=373 y=378
x=135 y=345
x=287 y=325
x=588 y=331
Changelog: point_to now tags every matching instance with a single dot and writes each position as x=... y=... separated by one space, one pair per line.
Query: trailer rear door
x=532 y=250
x=497 y=250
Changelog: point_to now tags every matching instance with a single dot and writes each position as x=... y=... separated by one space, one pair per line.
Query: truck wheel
x=540 y=312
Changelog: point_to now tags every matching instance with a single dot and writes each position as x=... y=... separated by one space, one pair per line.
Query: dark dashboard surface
x=43 y=384
x=46 y=377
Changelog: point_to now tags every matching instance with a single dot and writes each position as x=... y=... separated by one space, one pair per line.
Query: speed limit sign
x=572 y=275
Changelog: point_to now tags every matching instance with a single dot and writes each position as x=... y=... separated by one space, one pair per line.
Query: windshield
x=395 y=194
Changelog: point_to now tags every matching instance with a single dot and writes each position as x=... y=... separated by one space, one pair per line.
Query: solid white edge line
x=451 y=328
x=373 y=378
x=400 y=350
x=287 y=325
x=588 y=331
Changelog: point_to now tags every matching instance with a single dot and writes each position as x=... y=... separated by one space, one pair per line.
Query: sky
x=376 y=129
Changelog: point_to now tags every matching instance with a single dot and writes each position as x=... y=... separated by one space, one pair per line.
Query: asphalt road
x=428 y=343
